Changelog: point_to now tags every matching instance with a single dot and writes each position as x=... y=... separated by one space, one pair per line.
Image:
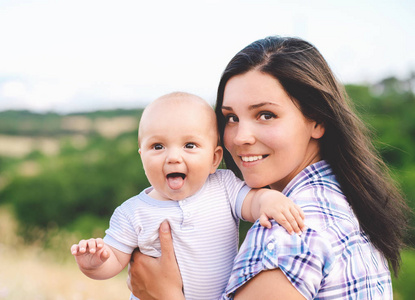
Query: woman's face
x=267 y=135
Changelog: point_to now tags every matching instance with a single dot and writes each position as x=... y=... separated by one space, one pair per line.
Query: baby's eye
x=158 y=147
x=231 y=119
x=190 y=146
x=266 y=116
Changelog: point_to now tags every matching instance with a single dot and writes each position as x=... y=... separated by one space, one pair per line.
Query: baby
x=178 y=144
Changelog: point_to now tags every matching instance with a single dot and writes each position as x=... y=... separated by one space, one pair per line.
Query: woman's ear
x=318 y=130
x=217 y=158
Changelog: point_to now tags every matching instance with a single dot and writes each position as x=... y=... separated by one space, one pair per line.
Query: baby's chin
x=167 y=194
x=180 y=195
x=184 y=192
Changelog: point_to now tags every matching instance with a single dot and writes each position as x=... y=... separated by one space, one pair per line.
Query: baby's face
x=178 y=147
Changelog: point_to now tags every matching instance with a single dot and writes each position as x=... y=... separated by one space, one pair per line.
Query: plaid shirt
x=332 y=259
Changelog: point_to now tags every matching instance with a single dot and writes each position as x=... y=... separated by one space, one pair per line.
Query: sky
x=70 y=56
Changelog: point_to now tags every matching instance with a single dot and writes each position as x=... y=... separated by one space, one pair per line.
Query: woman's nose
x=244 y=134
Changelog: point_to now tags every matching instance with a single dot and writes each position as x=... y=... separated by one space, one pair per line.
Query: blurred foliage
x=388 y=108
x=74 y=192
x=23 y=122
x=28 y=123
x=79 y=188
x=403 y=287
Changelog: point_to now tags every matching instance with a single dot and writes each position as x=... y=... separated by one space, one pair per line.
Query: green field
x=61 y=177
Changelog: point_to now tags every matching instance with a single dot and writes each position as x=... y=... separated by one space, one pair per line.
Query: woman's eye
x=231 y=119
x=266 y=116
x=190 y=146
x=158 y=147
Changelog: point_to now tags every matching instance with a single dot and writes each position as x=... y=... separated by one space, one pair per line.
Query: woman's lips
x=252 y=158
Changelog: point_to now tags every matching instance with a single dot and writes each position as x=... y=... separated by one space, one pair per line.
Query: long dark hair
x=346 y=146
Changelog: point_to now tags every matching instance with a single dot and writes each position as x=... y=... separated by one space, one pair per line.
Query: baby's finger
x=100 y=243
x=104 y=255
x=264 y=221
x=282 y=220
x=300 y=211
x=92 y=246
x=291 y=217
x=301 y=224
x=74 y=249
x=299 y=217
x=82 y=246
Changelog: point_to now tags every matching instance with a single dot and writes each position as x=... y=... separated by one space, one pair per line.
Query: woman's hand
x=158 y=278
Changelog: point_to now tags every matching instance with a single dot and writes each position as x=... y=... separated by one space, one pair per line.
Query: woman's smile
x=252 y=158
x=267 y=135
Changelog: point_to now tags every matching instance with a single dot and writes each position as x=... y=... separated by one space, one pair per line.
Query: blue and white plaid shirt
x=332 y=259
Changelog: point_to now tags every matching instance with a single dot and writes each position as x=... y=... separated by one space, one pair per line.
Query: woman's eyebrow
x=255 y=106
x=227 y=108
x=252 y=107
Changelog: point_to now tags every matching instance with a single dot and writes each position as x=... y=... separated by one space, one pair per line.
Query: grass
x=404 y=285
x=30 y=272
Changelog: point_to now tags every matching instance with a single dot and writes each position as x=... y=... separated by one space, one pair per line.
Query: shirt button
x=187 y=227
x=270 y=246
x=187 y=214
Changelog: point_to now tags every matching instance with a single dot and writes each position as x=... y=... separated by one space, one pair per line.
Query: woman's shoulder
x=324 y=207
x=318 y=193
x=332 y=238
x=267 y=249
x=318 y=176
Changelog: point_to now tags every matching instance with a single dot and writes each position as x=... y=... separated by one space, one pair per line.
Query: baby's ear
x=139 y=151
x=217 y=158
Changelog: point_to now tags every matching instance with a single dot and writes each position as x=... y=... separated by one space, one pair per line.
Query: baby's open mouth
x=176 y=175
x=175 y=180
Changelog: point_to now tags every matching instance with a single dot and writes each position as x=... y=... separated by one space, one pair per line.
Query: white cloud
x=13 y=90
x=38 y=95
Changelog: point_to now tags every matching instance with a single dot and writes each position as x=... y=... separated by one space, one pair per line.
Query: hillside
x=63 y=175
x=22 y=132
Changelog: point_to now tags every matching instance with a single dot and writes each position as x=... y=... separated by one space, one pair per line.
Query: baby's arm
x=98 y=260
x=268 y=204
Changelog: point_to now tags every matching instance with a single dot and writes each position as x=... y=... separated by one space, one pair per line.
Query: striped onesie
x=204 y=229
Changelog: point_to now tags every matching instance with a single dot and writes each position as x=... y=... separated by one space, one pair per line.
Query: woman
x=286 y=123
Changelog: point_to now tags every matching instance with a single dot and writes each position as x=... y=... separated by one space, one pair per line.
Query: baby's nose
x=174 y=156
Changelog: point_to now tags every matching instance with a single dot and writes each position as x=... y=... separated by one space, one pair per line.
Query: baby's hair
x=179 y=97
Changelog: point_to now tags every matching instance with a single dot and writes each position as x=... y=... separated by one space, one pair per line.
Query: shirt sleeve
x=236 y=190
x=121 y=234
x=305 y=260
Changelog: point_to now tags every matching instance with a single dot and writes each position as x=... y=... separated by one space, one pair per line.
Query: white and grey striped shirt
x=204 y=228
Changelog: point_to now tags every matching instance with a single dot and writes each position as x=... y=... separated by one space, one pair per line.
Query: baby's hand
x=284 y=211
x=90 y=254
